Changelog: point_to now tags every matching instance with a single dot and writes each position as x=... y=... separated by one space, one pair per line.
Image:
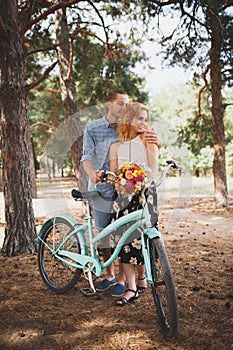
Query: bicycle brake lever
x=174 y=165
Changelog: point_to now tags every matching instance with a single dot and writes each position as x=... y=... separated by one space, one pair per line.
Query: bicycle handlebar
x=170 y=164
x=108 y=176
x=173 y=164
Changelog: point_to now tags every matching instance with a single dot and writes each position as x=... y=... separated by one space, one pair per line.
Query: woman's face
x=139 y=123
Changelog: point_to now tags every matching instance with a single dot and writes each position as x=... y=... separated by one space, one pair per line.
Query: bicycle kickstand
x=88 y=291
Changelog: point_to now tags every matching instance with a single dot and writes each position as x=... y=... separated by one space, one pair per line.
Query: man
x=98 y=136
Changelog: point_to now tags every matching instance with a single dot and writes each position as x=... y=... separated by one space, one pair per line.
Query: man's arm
x=152 y=137
x=94 y=175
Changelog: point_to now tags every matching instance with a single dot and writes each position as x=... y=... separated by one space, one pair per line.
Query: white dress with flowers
x=130 y=151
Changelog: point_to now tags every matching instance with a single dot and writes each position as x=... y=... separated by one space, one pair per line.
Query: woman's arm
x=152 y=155
x=113 y=158
x=150 y=141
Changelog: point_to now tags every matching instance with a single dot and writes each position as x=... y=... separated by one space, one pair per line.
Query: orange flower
x=129 y=174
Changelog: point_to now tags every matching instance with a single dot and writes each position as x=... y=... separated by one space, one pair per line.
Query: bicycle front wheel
x=163 y=289
x=56 y=274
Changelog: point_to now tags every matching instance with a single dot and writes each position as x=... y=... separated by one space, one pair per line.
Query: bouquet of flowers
x=130 y=178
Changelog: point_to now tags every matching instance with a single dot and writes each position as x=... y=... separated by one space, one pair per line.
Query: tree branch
x=87 y=32
x=44 y=15
x=165 y=3
x=183 y=11
x=200 y=92
x=40 y=123
x=41 y=49
x=44 y=76
x=71 y=59
x=53 y=91
x=101 y=19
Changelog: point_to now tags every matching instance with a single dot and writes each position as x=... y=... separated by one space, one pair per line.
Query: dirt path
x=199 y=247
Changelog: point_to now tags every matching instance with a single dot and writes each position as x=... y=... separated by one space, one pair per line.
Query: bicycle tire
x=163 y=289
x=58 y=276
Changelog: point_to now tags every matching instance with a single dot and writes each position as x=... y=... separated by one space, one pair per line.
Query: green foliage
x=197 y=134
x=178 y=106
x=98 y=66
x=204 y=160
x=106 y=69
x=45 y=114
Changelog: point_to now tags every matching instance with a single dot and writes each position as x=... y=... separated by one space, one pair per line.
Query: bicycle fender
x=152 y=232
x=72 y=221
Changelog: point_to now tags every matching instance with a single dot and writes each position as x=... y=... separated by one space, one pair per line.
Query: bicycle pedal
x=87 y=292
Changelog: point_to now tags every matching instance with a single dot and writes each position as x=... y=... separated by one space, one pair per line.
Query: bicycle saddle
x=84 y=195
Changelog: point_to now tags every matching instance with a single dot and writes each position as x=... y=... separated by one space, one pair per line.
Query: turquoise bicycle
x=66 y=251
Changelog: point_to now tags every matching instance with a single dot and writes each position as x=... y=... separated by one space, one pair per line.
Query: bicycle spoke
x=163 y=288
x=56 y=274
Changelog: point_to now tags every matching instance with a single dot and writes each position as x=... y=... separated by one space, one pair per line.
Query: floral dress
x=131 y=252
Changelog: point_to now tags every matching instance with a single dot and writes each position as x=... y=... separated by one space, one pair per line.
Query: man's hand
x=95 y=176
x=152 y=137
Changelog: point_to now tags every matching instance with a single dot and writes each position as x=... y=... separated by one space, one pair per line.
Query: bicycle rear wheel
x=163 y=289
x=56 y=274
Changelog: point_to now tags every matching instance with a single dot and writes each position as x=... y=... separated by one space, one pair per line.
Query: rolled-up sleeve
x=88 y=147
x=98 y=137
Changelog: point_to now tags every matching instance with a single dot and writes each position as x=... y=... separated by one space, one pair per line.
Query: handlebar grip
x=108 y=177
x=173 y=164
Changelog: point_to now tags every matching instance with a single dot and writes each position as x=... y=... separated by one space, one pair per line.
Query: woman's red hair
x=132 y=110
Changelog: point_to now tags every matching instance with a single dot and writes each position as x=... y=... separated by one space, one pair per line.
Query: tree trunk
x=219 y=166
x=32 y=167
x=20 y=233
x=67 y=85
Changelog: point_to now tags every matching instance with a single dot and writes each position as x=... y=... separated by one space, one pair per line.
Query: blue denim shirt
x=97 y=139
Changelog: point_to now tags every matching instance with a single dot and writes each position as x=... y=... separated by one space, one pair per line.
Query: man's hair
x=112 y=95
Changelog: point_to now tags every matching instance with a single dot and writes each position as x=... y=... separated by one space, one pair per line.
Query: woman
x=135 y=146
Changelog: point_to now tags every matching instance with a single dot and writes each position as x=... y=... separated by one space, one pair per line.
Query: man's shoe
x=118 y=290
x=105 y=284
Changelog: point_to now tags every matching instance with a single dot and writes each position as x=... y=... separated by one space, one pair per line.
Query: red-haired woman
x=137 y=144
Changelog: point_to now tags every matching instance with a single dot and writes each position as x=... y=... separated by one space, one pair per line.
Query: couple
x=119 y=136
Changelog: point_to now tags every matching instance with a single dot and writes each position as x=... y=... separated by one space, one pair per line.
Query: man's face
x=116 y=107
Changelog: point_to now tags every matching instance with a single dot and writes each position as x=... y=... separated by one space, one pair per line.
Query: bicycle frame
x=90 y=261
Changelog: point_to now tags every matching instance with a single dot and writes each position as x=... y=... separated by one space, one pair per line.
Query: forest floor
x=200 y=248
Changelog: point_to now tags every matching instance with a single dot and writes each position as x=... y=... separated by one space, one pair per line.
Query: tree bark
x=67 y=85
x=32 y=167
x=219 y=166
x=20 y=232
